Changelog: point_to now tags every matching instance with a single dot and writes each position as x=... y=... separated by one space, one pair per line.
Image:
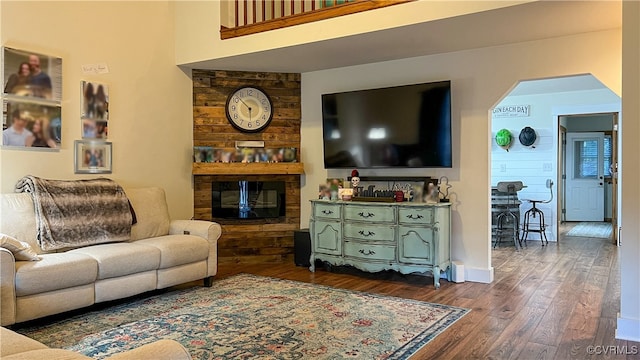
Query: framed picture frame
x=31 y=75
x=93 y=157
x=31 y=125
x=94 y=110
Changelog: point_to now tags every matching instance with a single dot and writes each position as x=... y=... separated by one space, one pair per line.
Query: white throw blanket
x=74 y=213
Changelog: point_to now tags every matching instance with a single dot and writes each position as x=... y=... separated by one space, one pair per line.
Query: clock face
x=249 y=109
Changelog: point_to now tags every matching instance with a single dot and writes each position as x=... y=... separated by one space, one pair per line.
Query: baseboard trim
x=480 y=275
x=628 y=329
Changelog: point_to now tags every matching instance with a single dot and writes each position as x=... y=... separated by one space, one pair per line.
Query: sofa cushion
x=11 y=342
x=21 y=250
x=18 y=218
x=152 y=214
x=120 y=259
x=178 y=249
x=54 y=272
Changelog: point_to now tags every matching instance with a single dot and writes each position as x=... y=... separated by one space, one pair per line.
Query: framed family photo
x=31 y=75
x=31 y=125
x=93 y=157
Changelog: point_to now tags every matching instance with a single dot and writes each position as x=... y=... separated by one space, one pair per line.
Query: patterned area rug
x=592 y=229
x=248 y=317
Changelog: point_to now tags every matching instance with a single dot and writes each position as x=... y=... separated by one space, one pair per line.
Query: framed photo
x=32 y=75
x=27 y=125
x=92 y=157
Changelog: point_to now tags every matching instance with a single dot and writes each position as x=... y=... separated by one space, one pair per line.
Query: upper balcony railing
x=244 y=17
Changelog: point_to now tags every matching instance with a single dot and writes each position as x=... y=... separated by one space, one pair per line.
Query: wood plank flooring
x=551 y=302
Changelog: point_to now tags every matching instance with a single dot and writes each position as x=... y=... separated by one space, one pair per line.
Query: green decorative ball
x=503 y=137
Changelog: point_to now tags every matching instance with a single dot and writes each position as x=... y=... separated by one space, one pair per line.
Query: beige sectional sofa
x=161 y=253
x=14 y=346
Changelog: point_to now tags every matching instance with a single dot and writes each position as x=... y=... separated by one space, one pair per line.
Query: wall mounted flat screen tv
x=402 y=126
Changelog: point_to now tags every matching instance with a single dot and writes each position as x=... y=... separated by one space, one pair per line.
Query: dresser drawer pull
x=368 y=233
x=413 y=217
x=366 y=215
x=327 y=212
x=368 y=252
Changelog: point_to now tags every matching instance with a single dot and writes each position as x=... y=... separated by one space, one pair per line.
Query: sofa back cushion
x=18 y=219
x=151 y=212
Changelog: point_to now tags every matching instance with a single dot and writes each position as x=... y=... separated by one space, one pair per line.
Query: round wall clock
x=249 y=109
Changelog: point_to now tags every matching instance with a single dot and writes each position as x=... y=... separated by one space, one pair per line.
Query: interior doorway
x=544 y=102
x=590 y=170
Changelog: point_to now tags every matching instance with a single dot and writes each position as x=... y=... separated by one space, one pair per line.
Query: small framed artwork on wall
x=93 y=157
x=95 y=110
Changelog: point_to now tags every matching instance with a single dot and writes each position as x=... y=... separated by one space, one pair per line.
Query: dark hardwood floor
x=554 y=302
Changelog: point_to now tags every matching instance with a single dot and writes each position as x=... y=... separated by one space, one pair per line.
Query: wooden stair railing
x=254 y=16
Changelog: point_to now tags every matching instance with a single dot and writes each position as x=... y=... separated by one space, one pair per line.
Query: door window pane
x=586 y=159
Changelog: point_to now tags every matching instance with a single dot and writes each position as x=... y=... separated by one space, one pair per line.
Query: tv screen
x=401 y=126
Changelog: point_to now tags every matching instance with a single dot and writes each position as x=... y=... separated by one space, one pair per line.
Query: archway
x=542 y=104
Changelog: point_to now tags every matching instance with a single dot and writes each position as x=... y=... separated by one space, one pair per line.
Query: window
x=586 y=153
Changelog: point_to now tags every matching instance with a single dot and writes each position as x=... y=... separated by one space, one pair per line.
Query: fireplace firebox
x=245 y=199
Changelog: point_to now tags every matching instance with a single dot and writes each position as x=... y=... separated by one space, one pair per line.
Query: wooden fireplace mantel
x=248 y=168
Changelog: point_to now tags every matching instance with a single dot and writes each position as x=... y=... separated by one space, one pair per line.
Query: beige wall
x=629 y=318
x=150 y=122
x=479 y=79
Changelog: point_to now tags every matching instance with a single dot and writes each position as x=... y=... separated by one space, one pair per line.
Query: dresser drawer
x=377 y=214
x=327 y=211
x=416 y=215
x=369 y=232
x=369 y=252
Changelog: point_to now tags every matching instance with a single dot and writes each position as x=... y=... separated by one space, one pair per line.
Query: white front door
x=585 y=176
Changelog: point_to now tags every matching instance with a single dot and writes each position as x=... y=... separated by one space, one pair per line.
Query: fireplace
x=245 y=199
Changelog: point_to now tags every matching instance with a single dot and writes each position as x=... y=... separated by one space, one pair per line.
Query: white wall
x=479 y=79
x=534 y=165
x=150 y=122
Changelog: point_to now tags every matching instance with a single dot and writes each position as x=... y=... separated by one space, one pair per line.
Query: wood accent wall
x=248 y=241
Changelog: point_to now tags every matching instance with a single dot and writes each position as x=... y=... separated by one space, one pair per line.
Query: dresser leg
x=436 y=277
x=312 y=261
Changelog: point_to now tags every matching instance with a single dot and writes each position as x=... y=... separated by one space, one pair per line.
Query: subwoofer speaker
x=302 y=247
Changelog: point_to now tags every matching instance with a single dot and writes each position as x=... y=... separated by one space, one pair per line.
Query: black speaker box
x=302 y=247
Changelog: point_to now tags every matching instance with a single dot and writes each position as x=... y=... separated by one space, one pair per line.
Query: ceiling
x=527 y=22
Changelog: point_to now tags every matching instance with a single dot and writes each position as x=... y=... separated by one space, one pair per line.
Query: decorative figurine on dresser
x=407 y=237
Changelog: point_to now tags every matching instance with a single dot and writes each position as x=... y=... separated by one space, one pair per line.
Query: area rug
x=253 y=317
x=592 y=229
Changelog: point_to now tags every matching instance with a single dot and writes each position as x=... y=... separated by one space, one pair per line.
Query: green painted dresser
x=405 y=237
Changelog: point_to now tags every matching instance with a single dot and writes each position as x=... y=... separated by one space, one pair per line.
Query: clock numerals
x=249 y=109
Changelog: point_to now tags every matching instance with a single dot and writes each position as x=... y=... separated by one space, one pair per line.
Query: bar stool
x=535 y=213
x=507 y=217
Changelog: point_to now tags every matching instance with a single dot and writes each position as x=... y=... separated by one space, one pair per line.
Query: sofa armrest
x=7 y=287
x=208 y=230
x=158 y=350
